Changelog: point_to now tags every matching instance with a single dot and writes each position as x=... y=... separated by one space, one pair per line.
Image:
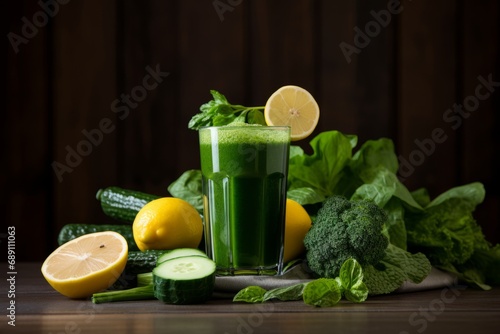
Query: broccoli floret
x=345 y=229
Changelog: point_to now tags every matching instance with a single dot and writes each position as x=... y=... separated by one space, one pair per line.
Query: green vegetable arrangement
x=421 y=232
x=355 y=229
x=442 y=230
x=369 y=234
x=180 y=276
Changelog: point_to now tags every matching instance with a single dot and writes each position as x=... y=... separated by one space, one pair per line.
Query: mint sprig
x=219 y=111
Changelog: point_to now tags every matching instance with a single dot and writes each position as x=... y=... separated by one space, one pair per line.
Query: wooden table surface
x=39 y=309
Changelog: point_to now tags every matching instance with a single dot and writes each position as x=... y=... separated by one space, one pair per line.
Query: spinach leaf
x=351 y=279
x=357 y=293
x=322 y=292
x=189 y=188
x=304 y=195
x=250 y=294
x=321 y=171
x=350 y=273
x=293 y=292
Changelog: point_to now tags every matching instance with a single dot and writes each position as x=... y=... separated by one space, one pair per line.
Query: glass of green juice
x=244 y=171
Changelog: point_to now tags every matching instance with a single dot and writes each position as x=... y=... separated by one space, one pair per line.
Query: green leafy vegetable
x=219 y=111
x=394 y=269
x=189 y=188
x=293 y=292
x=250 y=294
x=419 y=229
x=483 y=266
x=323 y=292
x=446 y=231
x=320 y=292
x=351 y=280
x=320 y=172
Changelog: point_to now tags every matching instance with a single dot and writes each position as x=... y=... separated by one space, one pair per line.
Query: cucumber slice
x=184 y=280
x=179 y=252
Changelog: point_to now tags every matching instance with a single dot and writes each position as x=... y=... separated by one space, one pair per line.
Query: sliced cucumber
x=179 y=252
x=184 y=280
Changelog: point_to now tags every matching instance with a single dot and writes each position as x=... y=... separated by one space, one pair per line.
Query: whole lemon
x=297 y=224
x=167 y=223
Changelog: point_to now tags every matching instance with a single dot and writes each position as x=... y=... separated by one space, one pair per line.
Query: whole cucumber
x=72 y=231
x=138 y=262
x=123 y=204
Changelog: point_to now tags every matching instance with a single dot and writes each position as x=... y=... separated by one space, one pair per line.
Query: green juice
x=244 y=185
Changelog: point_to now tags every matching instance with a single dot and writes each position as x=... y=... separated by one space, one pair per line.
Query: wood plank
x=26 y=130
x=281 y=47
x=37 y=294
x=84 y=82
x=376 y=70
x=148 y=127
x=337 y=79
x=478 y=124
x=459 y=322
x=213 y=56
x=428 y=79
x=356 y=67
x=436 y=311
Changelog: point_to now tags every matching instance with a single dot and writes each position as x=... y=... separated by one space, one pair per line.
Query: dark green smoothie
x=244 y=185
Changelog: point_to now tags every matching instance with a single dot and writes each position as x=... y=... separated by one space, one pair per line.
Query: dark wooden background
x=65 y=77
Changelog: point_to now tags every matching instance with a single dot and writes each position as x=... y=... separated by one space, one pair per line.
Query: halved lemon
x=87 y=264
x=295 y=107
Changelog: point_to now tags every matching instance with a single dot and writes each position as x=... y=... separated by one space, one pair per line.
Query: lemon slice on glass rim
x=295 y=107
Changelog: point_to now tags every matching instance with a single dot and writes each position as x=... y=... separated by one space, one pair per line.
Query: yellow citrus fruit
x=295 y=107
x=87 y=264
x=297 y=224
x=167 y=223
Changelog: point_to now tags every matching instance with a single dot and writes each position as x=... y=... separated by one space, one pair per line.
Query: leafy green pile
x=443 y=229
x=446 y=231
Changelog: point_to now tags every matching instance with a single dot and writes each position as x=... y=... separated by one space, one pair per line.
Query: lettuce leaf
x=446 y=230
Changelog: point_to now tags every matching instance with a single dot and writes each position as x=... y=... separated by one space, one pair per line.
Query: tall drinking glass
x=245 y=171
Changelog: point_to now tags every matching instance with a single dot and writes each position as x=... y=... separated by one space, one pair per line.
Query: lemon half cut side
x=295 y=107
x=87 y=264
